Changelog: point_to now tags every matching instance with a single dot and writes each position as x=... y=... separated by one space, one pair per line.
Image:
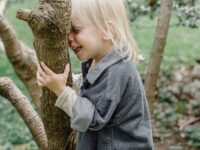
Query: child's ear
x=110 y=30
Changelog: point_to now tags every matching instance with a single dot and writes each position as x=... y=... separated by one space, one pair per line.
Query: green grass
x=182 y=48
x=23 y=31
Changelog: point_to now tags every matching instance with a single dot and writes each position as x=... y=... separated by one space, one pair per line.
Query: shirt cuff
x=66 y=100
x=77 y=82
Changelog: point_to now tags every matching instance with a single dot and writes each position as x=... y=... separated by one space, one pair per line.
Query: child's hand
x=55 y=82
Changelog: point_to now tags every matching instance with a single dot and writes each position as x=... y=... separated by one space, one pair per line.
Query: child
x=110 y=111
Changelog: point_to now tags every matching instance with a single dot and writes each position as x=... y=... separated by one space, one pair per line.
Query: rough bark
x=50 y=23
x=3 y=4
x=22 y=58
x=158 y=50
x=26 y=111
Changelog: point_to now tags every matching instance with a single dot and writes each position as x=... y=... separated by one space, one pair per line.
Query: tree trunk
x=158 y=50
x=50 y=23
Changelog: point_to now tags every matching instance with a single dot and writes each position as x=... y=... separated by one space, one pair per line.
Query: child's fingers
x=67 y=69
x=40 y=72
x=40 y=80
x=46 y=69
x=40 y=84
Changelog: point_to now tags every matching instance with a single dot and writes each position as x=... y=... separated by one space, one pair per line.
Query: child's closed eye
x=75 y=30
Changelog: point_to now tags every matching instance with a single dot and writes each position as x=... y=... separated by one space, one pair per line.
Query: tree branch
x=24 y=14
x=25 y=109
x=23 y=59
x=158 y=50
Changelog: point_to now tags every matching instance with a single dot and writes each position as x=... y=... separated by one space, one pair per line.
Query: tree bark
x=25 y=109
x=22 y=58
x=50 y=23
x=158 y=50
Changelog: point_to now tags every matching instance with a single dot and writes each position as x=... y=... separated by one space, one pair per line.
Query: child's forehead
x=80 y=19
x=78 y=22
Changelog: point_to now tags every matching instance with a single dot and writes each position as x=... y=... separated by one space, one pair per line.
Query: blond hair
x=99 y=12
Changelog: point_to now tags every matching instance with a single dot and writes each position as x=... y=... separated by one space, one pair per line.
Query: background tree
x=158 y=50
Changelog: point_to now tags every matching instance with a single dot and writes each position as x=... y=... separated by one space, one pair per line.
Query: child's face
x=86 y=41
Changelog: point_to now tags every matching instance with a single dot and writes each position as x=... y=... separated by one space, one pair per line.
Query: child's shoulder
x=122 y=73
x=125 y=68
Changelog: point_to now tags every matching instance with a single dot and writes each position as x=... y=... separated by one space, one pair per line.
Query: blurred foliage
x=193 y=134
x=174 y=111
x=187 y=12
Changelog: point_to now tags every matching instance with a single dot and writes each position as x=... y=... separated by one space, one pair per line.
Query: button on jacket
x=111 y=110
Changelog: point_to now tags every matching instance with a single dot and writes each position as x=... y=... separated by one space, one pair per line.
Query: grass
x=182 y=48
x=182 y=44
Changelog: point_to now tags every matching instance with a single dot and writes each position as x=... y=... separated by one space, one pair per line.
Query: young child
x=110 y=111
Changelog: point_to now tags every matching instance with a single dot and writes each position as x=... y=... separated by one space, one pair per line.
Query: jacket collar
x=93 y=73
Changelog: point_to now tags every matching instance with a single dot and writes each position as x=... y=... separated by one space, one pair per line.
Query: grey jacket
x=111 y=112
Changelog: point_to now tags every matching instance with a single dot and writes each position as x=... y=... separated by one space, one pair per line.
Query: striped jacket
x=111 y=110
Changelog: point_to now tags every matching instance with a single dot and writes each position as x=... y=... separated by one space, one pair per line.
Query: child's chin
x=81 y=59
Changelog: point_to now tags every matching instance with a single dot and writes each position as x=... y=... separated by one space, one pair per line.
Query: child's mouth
x=78 y=49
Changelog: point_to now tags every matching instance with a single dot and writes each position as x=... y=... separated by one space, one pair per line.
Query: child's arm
x=68 y=97
x=66 y=100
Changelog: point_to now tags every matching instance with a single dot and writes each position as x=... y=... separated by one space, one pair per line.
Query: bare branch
x=23 y=59
x=24 y=14
x=25 y=109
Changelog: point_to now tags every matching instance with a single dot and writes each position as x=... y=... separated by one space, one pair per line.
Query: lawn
x=182 y=49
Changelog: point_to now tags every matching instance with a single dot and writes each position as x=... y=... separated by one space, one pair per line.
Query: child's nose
x=71 y=36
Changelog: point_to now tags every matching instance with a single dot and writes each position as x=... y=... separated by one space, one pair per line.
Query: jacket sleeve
x=95 y=116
